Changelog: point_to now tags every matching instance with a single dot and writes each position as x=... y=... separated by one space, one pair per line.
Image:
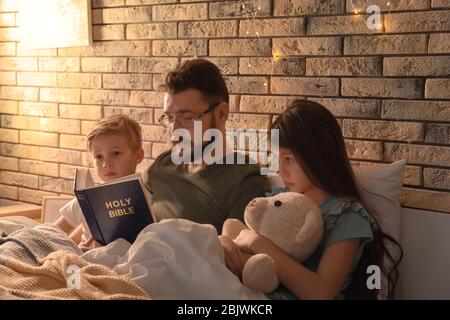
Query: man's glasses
x=184 y=121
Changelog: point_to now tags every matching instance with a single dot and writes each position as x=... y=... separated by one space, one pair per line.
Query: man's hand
x=234 y=259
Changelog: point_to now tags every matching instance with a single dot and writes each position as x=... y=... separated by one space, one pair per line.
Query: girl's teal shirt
x=343 y=220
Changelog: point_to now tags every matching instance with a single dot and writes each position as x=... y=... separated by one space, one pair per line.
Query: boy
x=115 y=144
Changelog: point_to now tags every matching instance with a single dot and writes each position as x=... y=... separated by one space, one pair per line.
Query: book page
x=83 y=179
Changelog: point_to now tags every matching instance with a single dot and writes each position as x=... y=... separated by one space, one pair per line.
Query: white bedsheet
x=172 y=259
x=175 y=259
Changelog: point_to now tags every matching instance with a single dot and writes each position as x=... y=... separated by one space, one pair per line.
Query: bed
x=183 y=273
x=172 y=259
x=423 y=272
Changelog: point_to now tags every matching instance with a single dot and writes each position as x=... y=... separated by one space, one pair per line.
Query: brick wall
x=390 y=88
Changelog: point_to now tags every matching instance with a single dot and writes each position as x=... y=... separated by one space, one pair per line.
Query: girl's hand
x=234 y=259
x=89 y=244
x=251 y=242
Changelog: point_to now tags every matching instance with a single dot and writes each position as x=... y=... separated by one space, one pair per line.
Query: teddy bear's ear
x=254 y=212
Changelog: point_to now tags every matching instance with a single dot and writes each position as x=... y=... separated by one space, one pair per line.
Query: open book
x=117 y=209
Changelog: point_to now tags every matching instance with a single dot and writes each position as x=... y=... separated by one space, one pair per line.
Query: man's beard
x=194 y=157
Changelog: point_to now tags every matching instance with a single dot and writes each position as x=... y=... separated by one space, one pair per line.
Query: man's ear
x=139 y=155
x=224 y=110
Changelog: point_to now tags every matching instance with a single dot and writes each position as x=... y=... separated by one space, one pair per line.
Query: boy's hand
x=89 y=244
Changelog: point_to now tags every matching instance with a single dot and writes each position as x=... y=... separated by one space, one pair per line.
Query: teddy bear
x=292 y=221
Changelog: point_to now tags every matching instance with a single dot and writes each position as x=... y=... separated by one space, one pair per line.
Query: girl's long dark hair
x=314 y=136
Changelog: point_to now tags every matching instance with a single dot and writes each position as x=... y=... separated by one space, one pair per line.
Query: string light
x=277 y=56
x=250 y=13
x=382 y=25
x=357 y=11
x=389 y=12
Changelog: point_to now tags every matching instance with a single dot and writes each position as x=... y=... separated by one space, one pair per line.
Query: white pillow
x=379 y=187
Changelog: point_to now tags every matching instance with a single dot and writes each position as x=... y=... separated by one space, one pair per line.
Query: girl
x=313 y=161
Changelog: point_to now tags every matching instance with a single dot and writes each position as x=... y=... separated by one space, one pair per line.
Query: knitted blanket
x=31 y=267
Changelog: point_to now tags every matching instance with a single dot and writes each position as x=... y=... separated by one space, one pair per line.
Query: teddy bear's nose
x=277 y=203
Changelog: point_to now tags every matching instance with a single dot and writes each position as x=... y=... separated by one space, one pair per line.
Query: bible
x=116 y=209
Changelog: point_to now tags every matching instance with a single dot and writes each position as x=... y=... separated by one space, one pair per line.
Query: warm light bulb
x=277 y=56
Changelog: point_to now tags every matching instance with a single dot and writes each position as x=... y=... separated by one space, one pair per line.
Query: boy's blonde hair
x=118 y=123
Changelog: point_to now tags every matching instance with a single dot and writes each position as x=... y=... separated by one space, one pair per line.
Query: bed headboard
x=425 y=269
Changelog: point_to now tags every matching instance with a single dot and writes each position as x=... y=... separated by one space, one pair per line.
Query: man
x=196 y=91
